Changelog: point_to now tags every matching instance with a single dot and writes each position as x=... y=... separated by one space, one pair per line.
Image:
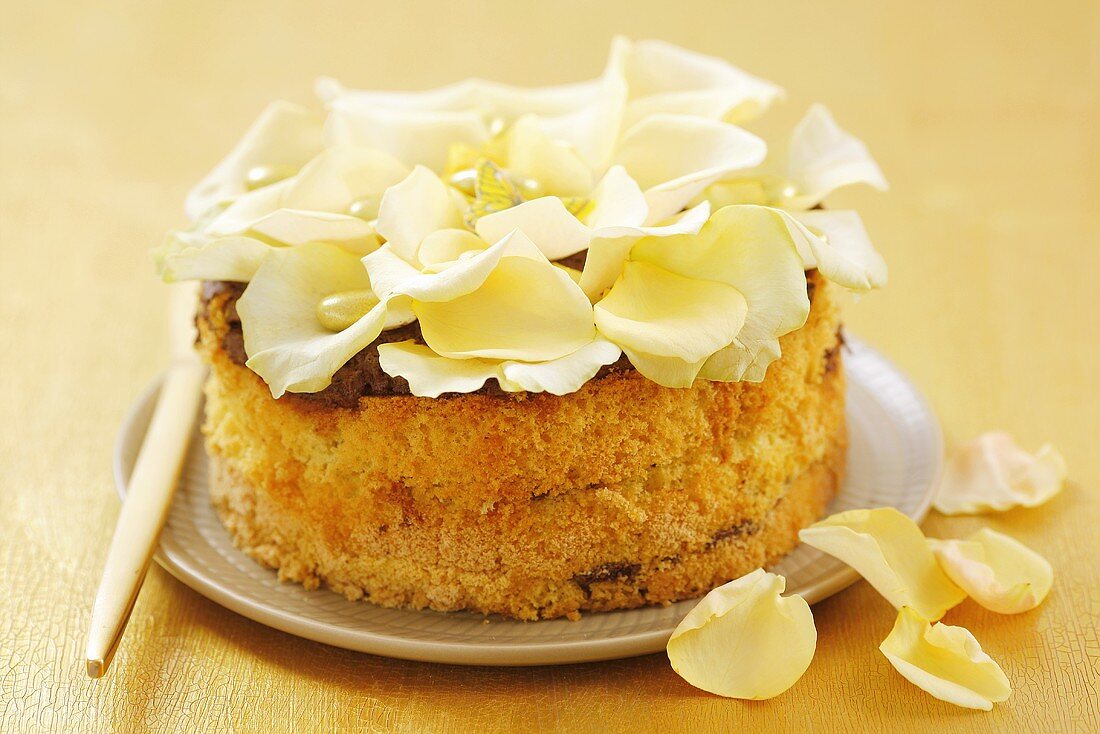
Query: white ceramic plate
x=894 y=459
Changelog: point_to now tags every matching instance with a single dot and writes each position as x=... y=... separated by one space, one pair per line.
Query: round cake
x=470 y=352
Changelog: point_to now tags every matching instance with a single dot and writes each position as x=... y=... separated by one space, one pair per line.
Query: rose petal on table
x=993 y=473
x=945 y=661
x=744 y=640
x=1000 y=573
x=888 y=549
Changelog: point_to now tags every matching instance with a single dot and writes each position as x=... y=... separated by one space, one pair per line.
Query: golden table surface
x=983 y=115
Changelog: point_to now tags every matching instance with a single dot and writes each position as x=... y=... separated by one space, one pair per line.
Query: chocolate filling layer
x=362 y=375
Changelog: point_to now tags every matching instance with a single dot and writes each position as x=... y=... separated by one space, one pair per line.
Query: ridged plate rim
x=243 y=586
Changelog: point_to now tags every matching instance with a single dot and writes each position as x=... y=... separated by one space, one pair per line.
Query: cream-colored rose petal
x=751 y=249
x=553 y=165
x=185 y=256
x=526 y=309
x=887 y=549
x=666 y=78
x=415 y=137
x=618 y=201
x=999 y=572
x=247 y=209
x=610 y=246
x=413 y=209
x=284 y=138
x=653 y=311
x=822 y=158
x=745 y=640
x=565 y=374
x=665 y=371
x=341 y=176
x=298 y=227
x=945 y=661
x=286 y=344
x=675 y=157
x=445 y=246
x=844 y=254
x=430 y=375
x=992 y=473
x=545 y=220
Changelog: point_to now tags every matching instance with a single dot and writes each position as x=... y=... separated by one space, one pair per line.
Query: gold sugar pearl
x=531 y=188
x=259 y=176
x=366 y=208
x=496 y=126
x=464 y=181
x=340 y=310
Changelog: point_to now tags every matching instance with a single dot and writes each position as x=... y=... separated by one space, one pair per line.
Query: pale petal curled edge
x=945 y=661
x=745 y=640
x=822 y=158
x=286 y=344
x=992 y=473
x=618 y=201
x=654 y=311
x=610 y=247
x=526 y=309
x=285 y=135
x=888 y=550
x=185 y=256
x=1000 y=573
x=414 y=208
x=297 y=227
x=430 y=375
x=665 y=371
x=844 y=255
x=751 y=249
x=675 y=157
x=545 y=220
x=666 y=78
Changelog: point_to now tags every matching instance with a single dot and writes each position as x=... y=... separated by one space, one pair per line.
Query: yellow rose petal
x=185 y=256
x=675 y=157
x=341 y=176
x=663 y=77
x=653 y=311
x=945 y=661
x=284 y=137
x=448 y=245
x=430 y=375
x=1000 y=573
x=822 y=158
x=286 y=343
x=838 y=247
x=889 y=550
x=565 y=374
x=526 y=309
x=414 y=208
x=744 y=640
x=554 y=166
x=751 y=249
x=993 y=473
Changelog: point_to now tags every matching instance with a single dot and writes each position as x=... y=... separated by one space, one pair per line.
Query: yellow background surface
x=984 y=116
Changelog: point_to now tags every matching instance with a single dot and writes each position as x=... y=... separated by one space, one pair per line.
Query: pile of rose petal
x=746 y=640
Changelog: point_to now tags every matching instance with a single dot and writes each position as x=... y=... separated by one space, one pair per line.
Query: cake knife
x=152 y=484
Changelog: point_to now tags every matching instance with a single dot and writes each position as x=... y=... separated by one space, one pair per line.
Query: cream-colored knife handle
x=148 y=496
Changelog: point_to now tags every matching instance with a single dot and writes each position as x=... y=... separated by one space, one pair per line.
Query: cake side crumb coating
x=621 y=494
